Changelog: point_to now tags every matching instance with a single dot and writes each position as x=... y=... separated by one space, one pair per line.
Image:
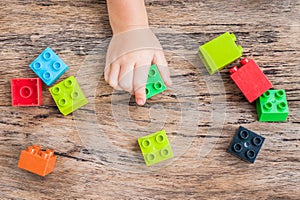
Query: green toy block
x=155 y=83
x=220 y=52
x=272 y=106
x=155 y=147
x=68 y=95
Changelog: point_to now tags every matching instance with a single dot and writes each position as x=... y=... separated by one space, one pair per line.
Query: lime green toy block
x=220 y=52
x=68 y=95
x=155 y=83
x=272 y=106
x=155 y=147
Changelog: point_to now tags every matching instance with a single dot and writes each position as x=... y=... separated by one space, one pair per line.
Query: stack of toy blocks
x=220 y=52
x=28 y=92
x=246 y=144
x=49 y=67
x=249 y=78
x=271 y=105
x=67 y=94
x=155 y=147
x=37 y=161
x=155 y=83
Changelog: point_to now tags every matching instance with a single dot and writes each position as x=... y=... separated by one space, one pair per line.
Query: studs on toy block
x=48 y=66
x=155 y=83
x=26 y=92
x=37 y=161
x=155 y=147
x=246 y=144
x=250 y=79
x=219 y=52
x=272 y=106
x=68 y=95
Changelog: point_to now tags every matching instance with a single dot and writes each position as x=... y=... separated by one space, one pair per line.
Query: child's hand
x=130 y=72
x=132 y=49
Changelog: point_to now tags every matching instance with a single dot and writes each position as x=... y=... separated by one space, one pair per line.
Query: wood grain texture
x=98 y=155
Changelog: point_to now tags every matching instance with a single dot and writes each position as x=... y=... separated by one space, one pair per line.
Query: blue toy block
x=48 y=66
x=246 y=144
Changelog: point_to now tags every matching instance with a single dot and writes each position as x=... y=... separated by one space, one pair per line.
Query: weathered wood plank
x=98 y=156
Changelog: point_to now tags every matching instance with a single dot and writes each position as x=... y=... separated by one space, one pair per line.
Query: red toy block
x=250 y=79
x=26 y=92
x=37 y=161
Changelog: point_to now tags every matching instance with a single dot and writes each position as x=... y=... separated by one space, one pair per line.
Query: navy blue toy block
x=246 y=144
x=48 y=66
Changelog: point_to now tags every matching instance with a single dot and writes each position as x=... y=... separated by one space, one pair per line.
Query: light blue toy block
x=48 y=66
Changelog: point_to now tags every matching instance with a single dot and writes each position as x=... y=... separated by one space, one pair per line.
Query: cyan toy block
x=155 y=147
x=155 y=83
x=272 y=106
x=48 y=66
x=220 y=52
x=246 y=144
x=68 y=95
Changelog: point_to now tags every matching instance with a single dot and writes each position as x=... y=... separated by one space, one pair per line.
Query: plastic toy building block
x=272 y=106
x=155 y=147
x=37 y=161
x=26 y=92
x=48 y=66
x=250 y=79
x=246 y=144
x=155 y=83
x=220 y=52
x=68 y=95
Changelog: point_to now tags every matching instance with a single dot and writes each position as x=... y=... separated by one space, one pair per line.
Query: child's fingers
x=106 y=73
x=126 y=77
x=162 y=66
x=113 y=78
x=140 y=80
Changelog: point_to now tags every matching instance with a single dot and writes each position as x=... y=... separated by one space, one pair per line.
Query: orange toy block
x=37 y=161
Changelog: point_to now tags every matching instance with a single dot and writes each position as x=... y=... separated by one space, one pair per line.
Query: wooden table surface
x=97 y=152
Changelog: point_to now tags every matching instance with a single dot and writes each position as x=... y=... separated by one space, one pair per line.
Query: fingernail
x=140 y=102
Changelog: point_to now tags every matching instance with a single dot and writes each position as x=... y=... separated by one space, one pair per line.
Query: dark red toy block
x=26 y=92
x=250 y=79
